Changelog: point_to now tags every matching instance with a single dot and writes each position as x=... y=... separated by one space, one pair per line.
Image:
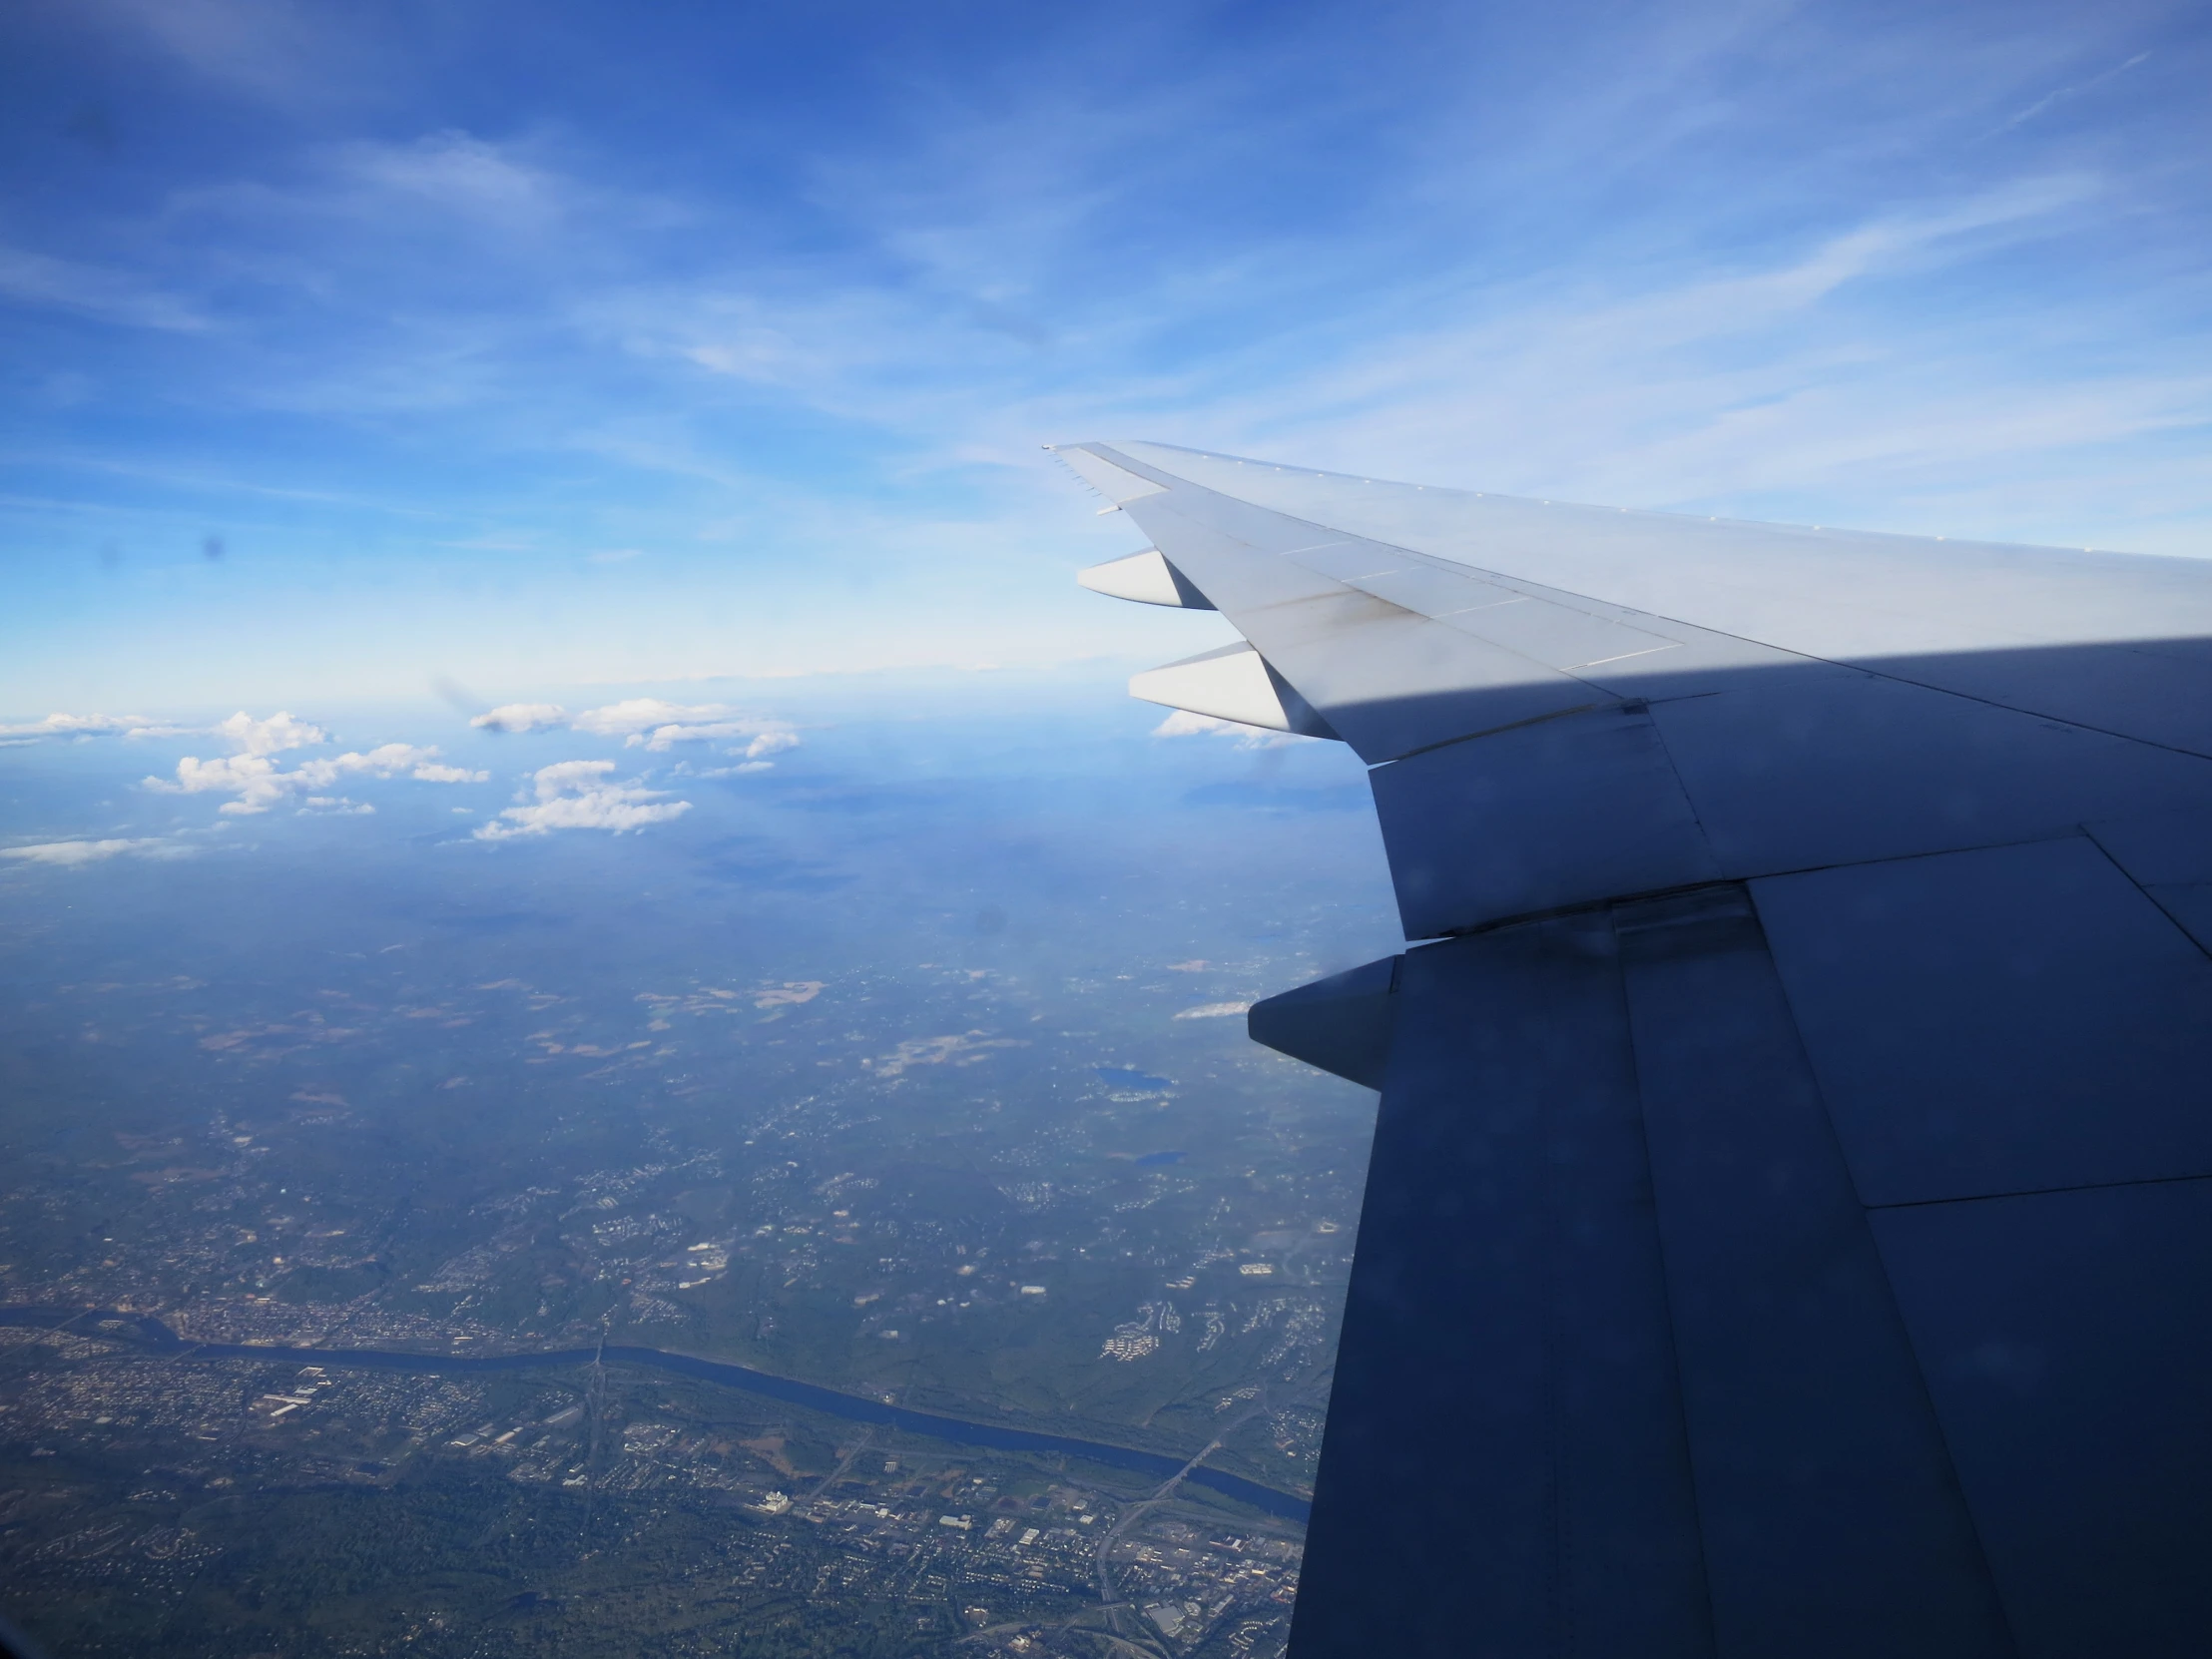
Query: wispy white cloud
x=32 y=278
x=521 y=717
x=1738 y=253
x=657 y=725
x=72 y=854
x=2051 y=100
x=283 y=53
x=576 y=794
x=63 y=726
x=483 y=184
x=1761 y=375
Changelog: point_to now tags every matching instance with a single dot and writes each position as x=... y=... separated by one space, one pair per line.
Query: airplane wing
x=1789 y=1230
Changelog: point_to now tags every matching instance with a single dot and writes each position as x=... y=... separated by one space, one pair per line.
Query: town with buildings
x=1009 y=1226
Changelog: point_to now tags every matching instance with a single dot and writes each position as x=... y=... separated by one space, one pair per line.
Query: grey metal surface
x=1388 y=679
x=2065 y=1338
x=1925 y=608
x=1505 y=1472
x=1832 y=1518
x=1794 y=769
x=2004 y=1020
x=2169 y=856
x=1787 y=761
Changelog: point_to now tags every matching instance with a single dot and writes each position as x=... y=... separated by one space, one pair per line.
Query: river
x=160 y=1338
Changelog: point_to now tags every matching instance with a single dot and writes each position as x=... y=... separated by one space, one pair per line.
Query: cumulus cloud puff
x=576 y=794
x=521 y=717
x=272 y=736
x=768 y=742
x=253 y=775
x=72 y=854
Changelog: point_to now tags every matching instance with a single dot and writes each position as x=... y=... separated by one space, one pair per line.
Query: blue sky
x=556 y=346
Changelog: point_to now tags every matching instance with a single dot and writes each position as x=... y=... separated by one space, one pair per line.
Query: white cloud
x=328 y=805
x=269 y=736
x=61 y=726
x=740 y=769
x=286 y=54
x=109 y=295
x=255 y=778
x=659 y=726
x=385 y=761
x=575 y=794
x=521 y=717
x=654 y=723
x=457 y=173
x=72 y=854
x=641 y=714
x=1214 y=1010
x=1184 y=723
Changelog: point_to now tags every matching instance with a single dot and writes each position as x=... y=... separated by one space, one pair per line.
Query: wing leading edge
x=1791 y=1207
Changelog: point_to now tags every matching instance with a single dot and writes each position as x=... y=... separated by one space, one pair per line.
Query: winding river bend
x=155 y=1337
